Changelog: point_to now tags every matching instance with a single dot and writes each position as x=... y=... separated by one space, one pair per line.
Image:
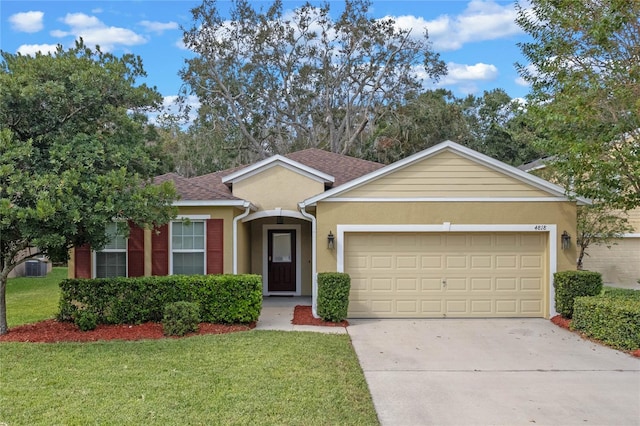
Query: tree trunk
x=3 y=302
x=4 y=277
x=580 y=257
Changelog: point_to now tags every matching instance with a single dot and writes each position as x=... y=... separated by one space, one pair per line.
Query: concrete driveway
x=493 y=372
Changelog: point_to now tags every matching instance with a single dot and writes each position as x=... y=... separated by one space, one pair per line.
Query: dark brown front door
x=282 y=260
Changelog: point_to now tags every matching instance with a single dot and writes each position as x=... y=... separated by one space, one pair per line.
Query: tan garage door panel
x=395 y=275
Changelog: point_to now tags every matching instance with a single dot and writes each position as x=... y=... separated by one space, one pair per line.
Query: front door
x=282 y=260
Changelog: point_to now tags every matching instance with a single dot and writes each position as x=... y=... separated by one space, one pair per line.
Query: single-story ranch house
x=446 y=232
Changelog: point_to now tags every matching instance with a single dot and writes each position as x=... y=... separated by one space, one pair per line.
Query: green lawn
x=33 y=299
x=252 y=377
x=248 y=378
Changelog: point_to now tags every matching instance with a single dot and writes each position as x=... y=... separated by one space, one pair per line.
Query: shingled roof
x=210 y=187
x=343 y=168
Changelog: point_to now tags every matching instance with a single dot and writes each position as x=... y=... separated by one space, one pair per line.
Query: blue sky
x=476 y=38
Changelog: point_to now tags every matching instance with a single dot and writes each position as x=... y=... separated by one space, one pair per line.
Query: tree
x=490 y=124
x=585 y=98
x=301 y=79
x=494 y=120
x=202 y=148
x=421 y=121
x=73 y=155
x=600 y=226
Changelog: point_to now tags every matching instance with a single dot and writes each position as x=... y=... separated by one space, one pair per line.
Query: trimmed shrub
x=230 y=299
x=180 y=318
x=614 y=320
x=620 y=292
x=333 y=296
x=571 y=284
x=86 y=320
x=222 y=298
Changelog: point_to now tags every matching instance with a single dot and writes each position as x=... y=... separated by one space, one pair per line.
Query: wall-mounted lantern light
x=566 y=240
x=331 y=241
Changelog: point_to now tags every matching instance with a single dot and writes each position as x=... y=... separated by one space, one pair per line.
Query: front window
x=188 y=247
x=112 y=260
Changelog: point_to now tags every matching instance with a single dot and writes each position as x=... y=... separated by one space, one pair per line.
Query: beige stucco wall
x=71 y=265
x=634 y=220
x=446 y=175
x=257 y=255
x=619 y=264
x=330 y=214
x=277 y=187
x=244 y=248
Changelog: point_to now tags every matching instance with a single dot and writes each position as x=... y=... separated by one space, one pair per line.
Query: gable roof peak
x=463 y=151
x=277 y=160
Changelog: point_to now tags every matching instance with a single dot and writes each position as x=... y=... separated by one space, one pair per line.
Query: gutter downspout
x=314 y=272
x=247 y=206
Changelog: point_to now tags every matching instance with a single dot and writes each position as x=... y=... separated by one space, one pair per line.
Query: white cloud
x=463 y=72
x=158 y=27
x=171 y=106
x=32 y=49
x=180 y=44
x=532 y=70
x=28 y=22
x=480 y=21
x=95 y=32
x=80 y=20
x=464 y=77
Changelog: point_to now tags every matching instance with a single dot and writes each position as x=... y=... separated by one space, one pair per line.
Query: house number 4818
x=540 y=227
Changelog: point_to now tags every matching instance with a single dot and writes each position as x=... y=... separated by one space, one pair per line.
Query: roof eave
x=215 y=203
x=277 y=160
x=459 y=149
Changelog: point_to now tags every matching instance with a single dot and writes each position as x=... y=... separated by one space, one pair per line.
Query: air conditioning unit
x=35 y=268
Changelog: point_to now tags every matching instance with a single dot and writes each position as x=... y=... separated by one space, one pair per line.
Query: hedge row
x=224 y=299
x=571 y=284
x=613 y=317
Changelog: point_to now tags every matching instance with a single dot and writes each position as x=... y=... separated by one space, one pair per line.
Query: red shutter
x=215 y=246
x=82 y=261
x=160 y=251
x=135 y=251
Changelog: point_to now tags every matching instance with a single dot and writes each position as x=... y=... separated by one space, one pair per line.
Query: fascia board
x=278 y=160
x=215 y=203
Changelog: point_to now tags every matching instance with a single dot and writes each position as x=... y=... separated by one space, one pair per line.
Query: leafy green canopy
x=304 y=79
x=585 y=100
x=73 y=152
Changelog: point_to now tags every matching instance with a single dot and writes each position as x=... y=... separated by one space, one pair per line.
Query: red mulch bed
x=302 y=315
x=52 y=331
x=561 y=322
x=566 y=323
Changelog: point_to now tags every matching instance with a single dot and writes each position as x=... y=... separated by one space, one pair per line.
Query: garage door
x=433 y=275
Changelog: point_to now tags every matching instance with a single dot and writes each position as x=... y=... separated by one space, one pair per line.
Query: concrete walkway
x=277 y=313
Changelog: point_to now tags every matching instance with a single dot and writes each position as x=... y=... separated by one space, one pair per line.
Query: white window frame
x=94 y=272
x=191 y=218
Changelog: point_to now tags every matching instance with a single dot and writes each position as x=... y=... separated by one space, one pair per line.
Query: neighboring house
x=619 y=263
x=446 y=232
x=36 y=267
